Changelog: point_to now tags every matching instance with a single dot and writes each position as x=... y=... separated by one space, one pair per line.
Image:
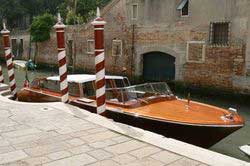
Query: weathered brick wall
x=163 y=31
x=221 y=63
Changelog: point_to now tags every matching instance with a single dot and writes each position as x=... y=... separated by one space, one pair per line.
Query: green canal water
x=228 y=146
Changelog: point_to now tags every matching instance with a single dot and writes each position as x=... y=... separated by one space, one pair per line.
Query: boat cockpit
x=142 y=94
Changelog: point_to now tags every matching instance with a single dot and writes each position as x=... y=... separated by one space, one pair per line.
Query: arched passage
x=158 y=66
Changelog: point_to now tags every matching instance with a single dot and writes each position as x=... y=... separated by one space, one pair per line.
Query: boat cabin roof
x=82 y=78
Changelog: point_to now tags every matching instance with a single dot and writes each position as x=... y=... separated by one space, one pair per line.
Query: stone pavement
x=60 y=134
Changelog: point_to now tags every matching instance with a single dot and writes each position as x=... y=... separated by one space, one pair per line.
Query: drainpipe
x=9 y=62
x=98 y=24
x=62 y=64
x=132 y=52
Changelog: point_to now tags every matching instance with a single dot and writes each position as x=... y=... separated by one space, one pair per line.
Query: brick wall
x=221 y=63
x=168 y=34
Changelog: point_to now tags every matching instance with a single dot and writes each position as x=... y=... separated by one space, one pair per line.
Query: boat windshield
x=138 y=92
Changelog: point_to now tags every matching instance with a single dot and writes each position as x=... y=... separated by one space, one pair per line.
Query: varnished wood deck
x=166 y=110
x=175 y=110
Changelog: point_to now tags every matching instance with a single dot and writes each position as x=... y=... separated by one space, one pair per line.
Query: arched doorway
x=158 y=66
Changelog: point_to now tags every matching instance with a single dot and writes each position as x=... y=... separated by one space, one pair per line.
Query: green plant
x=41 y=27
x=40 y=30
x=70 y=18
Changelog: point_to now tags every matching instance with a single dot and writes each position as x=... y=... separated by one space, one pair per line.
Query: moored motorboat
x=151 y=106
x=20 y=64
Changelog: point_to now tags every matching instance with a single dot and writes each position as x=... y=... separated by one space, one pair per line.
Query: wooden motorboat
x=19 y=64
x=150 y=106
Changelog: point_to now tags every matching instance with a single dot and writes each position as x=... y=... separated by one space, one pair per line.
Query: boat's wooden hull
x=203 y=136
x=36 y=96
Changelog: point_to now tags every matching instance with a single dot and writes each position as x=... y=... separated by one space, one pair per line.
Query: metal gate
x=158 y=66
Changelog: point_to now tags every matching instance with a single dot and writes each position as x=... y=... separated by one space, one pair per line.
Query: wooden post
x=9 y=62
x=98 y=24
x=62 y=64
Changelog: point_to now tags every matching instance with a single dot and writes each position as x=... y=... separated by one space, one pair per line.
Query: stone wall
x=159 y=27
x=219 y=67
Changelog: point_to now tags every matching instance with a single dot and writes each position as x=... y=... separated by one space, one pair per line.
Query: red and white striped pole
x=1 y=75
x=100 y=63
x=62 y=64
x=9 y=62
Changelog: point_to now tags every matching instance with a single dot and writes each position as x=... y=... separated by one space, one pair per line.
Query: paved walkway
x=59 y=134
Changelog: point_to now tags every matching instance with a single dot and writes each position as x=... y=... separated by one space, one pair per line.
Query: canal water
x=229 y=145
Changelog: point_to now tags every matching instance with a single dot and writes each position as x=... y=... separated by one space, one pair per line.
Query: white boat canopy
x=82 y=78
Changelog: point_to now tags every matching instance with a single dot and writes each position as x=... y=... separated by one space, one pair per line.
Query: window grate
x=219 y=33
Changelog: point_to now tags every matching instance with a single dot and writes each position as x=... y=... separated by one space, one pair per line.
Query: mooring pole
x=9 y=62
x=1 y=75
x=62 y=64
x=98 y=24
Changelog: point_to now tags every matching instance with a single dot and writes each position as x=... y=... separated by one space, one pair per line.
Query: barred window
x=219 y=33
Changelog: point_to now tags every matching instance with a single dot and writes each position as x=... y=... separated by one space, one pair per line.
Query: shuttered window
x=90 y=46
x=134 y=11
x=117 y=47
x=183 y=7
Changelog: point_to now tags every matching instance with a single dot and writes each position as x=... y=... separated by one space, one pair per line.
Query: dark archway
x=158 y=66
